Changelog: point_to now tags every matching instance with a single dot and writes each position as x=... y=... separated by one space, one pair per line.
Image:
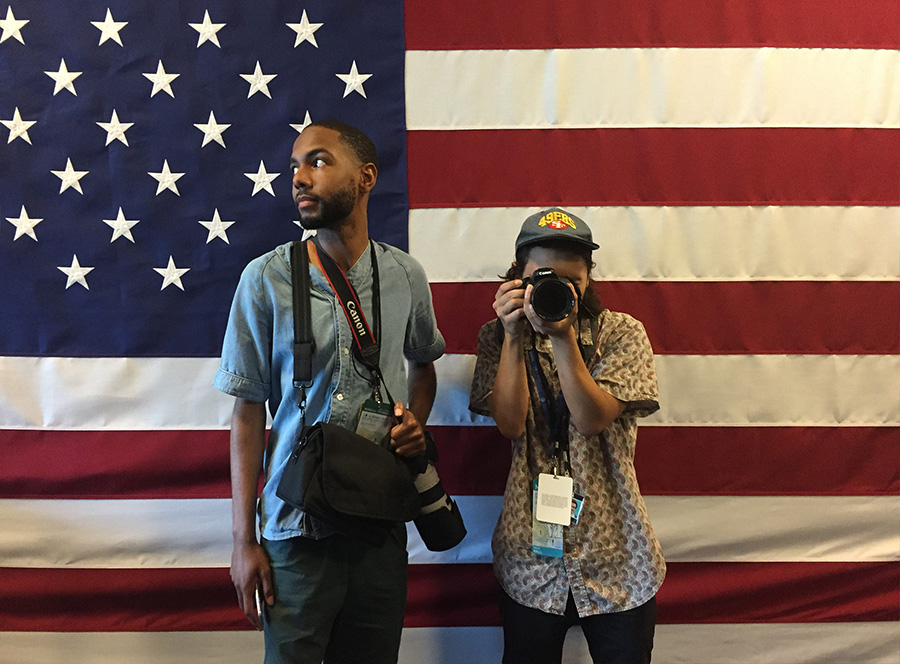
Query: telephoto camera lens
x=439 y=523
x=551 y=296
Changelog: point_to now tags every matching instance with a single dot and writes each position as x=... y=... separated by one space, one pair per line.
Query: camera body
x=551 y=296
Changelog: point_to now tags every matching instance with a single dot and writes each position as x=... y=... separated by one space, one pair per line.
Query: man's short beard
x=332 y=212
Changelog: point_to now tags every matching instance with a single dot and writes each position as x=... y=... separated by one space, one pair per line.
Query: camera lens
x=552 y=299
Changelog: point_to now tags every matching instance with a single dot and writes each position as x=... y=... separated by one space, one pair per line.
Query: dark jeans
x=531 y=636
x=337 y=600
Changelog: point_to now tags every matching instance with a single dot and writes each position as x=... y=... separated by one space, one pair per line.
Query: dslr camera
x=551 y=296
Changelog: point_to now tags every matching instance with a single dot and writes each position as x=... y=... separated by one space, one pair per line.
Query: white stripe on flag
x=651 y=87
x=774 y=643
x=736 y=390
x=715 y=390
x=673 y=243
x=196 y=532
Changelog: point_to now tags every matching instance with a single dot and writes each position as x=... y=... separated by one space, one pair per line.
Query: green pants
x=337 y=600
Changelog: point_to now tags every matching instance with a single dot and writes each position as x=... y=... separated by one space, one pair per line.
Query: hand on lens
x=407 y=437
x=546 y=327
x=508 y=305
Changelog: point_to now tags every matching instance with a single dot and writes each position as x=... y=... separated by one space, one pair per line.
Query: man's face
x=325 y=178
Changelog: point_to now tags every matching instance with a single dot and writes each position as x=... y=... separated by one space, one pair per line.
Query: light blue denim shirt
x=258 y=364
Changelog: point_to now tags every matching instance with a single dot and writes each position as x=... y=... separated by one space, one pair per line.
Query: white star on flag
x=12 y=27
x=171 y=274
x=24 y=225
x=166 y=179
x=258 y=81
x=207 y=30
x=161 y=80
x=109 y=29
x=76 y=273
x=354 y=80
x=306 y=122
x=115 y=130
x=305 y=30
x=212 y=130
x=262 y=179
x=63 y=78
x=18 y=128
x=216 y=228
x=70 y=177
x=121 y=226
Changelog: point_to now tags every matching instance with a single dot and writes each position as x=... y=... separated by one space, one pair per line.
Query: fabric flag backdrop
x=738 y=162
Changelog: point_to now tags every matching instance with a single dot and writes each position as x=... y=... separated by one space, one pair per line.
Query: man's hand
x=250 y=569
x=407 y=438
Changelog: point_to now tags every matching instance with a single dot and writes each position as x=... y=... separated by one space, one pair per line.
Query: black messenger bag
x=349 y=482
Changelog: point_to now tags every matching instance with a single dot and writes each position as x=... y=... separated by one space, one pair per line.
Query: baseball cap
x=554 y=224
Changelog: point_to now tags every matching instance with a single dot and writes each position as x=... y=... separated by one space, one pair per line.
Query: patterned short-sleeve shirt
x=612 y=561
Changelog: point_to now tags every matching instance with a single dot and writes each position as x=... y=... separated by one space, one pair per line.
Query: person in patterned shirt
x=568 y=394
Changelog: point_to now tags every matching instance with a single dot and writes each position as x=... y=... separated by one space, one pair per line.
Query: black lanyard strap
x=556 y=414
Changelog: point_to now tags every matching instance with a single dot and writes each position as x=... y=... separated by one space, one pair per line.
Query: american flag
x=739 y=164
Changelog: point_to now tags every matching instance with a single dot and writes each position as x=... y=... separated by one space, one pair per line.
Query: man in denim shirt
x=327 y=596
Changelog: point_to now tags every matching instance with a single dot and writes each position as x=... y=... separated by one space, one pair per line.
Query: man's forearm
x=248 y=441
x=422 y=382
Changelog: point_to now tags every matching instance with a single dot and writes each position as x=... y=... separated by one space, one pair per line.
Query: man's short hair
x=353 y=138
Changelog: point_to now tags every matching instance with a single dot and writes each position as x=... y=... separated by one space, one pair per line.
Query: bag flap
x=364 y=479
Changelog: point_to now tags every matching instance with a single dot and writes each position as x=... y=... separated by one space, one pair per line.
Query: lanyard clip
x=301 y=404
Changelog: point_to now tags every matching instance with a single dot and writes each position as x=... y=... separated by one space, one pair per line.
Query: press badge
x=546 y=538
x=554 y=499
x=375 y=420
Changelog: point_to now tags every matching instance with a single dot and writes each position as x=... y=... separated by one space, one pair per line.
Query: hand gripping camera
x=439 y=523
x=551 y=296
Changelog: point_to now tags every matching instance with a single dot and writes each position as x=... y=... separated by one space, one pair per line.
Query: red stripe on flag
x=654 y=166
x=692 y=593
x=114 y=464
x=160 y=600
x=709 y=318
x=474 y=24
x=768 y=461
x=850 y=461
x=740 y=461
x=780 y=593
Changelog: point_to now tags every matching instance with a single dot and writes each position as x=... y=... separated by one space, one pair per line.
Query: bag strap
x=303 y=339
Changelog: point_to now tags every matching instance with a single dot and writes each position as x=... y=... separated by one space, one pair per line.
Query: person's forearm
x=508 y=401
x=422 y=382
x=248 y=441
x=591 y=408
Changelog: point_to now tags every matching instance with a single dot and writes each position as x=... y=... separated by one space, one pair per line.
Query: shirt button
x=346 y=351
x=340 y=397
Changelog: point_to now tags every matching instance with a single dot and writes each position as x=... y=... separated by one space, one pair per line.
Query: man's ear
x=368 y=174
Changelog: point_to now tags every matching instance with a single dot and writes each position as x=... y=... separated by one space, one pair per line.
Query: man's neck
x=344 y=245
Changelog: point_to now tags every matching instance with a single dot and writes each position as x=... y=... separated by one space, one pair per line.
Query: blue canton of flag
x=146 y=152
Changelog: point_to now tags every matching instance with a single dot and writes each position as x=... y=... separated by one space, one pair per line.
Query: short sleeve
x=486 y=362
x=424 y=342
x=245 y=368
x=624 y=364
